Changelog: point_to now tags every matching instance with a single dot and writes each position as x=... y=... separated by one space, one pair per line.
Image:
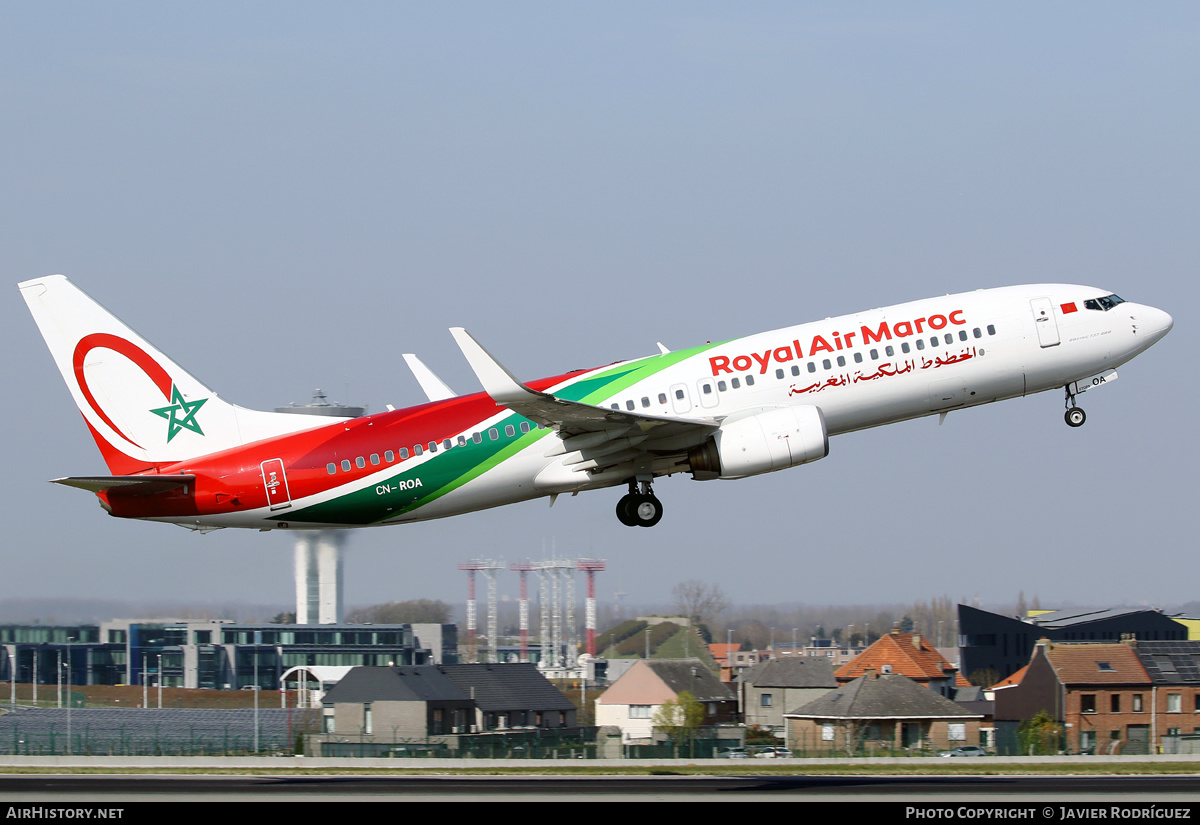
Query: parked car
x=773 y=753
x=732 y=753
x=965 y=750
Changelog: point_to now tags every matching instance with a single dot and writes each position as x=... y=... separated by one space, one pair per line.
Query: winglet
x=497 y=381
x=434 y=387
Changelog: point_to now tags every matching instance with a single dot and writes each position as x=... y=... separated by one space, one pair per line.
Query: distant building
x=880 y=712
x=1131 y=697
x=775 y=686
x=632 y=701
x=906 y=654
x=998 y=646
x=221 y=655
x=381 y=710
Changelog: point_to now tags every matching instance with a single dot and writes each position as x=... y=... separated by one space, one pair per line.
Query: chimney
x=869 y=674
x=917 y=640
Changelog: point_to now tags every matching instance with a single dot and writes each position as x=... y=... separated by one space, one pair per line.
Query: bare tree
x=700 y=601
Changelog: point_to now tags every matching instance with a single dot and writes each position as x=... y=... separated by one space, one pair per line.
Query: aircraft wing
x=146 y=485
x=604 y=436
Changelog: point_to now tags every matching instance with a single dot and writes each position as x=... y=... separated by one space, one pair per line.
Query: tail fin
x=143 y=409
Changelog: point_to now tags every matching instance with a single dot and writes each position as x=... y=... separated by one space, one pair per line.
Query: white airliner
x=738 y=408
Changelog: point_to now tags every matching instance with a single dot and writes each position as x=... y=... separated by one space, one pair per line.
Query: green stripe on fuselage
x=445 y=472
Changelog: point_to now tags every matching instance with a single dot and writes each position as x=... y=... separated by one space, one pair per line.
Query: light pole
x=160 y=681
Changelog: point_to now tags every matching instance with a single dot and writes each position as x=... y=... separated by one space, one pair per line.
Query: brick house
x=632 y=701
x=1105 y=695
x=880 y=712
x=773 y=687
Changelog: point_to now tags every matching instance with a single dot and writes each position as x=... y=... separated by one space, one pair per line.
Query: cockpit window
x=1104 y=304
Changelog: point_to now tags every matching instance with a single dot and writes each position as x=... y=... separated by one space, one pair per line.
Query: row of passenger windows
x=389 y=456
x=734 y=383
x=889 y=351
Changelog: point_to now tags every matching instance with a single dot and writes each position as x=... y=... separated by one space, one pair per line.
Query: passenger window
x=749 y=380
x=796 y=368
x=510 y=430
x=779 y=373
x=389 y=456
x=345 y=465
x=949 y=339
x=374 y=458
x=706 y=388
x=933 y=342
x=827 y=364
x=645 y=401
x=920 y=343
x=858 y=357
x=812 y=367
x=433 y=446
x=735 y=383
x=841 y=360
x=629 y=405
x=874 y=355
x=360 y=462
x=418 y=449
x=524 y=426
x=477 y=438
x=447 y=444
x=679 y=394
x=616 y=406
x=905 y=348
x=991 y=328
x=889 y=350
x=331 y=468
x=493 y=434
x=662 y=398
x=404 y=452
x=721 y=386
x=462 y=441
x=962 y=335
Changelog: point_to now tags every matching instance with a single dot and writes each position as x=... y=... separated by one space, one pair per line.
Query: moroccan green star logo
x=181 y=414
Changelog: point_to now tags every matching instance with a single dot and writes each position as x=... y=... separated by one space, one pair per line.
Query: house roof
x=1170 y=663
x=792 y=672
x=908 y=654
x=882 y=697
x=690 y=675
x=1096 y=664
x=506 y=687
x=421 y=683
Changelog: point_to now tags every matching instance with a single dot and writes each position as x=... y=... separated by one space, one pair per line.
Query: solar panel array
x=140 y=732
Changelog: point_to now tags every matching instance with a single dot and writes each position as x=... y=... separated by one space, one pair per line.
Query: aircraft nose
x=1152 y=324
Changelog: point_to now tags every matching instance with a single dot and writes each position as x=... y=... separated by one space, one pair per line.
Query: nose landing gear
x=1075 y=416
x=639 y=508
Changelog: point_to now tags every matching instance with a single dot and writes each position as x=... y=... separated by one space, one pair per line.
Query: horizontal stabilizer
x=146 y=485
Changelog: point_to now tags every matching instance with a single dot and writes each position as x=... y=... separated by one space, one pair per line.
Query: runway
x=1109 y=791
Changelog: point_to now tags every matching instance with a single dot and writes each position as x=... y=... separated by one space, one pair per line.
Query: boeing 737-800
x=181 y=454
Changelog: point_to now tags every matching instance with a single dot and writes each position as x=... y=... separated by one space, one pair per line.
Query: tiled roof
x=690 y=675
x=421 y=683
x=792 y=672
x=908 y=654
x=1096 y=664
x=506 y=687
x=883 y=697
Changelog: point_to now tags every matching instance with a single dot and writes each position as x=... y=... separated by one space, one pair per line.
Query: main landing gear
x=1075 y=416
x=639 y=507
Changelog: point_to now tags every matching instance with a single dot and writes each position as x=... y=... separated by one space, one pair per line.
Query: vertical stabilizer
x=143 y=409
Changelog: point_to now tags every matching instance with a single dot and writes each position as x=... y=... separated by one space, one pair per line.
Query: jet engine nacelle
x=761 y=440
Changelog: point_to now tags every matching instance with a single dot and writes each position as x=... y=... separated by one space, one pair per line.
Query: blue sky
x=286 y=196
